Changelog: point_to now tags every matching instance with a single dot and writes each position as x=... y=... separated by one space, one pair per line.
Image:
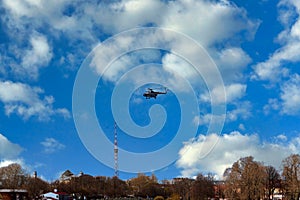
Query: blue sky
x=69 y=69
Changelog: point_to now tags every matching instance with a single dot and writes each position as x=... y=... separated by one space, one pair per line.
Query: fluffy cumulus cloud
x=32 y=26
x=288 y=101
x=178 y=66
x=234 y=57
x=232 y=61
x=228 y=19
x=231 y=95
x=8 y=150
x=274 y=68
x=84 y=21
x=25 y=62
x=219 y=17
x=225 y=149
x=26 y=101
x=6 y=162
x=222 y=20
x=30 y=10
x=233 y=92
x=45 y=24
x=279 y=67
x=37 y=56
x=290 y=96
x=51 y=145
x=206 y=119
x=273 y=104
x=241 y=110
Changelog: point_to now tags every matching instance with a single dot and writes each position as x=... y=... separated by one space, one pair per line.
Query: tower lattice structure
x=116 y=151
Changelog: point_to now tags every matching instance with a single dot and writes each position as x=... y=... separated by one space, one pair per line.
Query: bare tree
x=116 y=187
x=273 y=181
x=202 y=187
x=232 y=179
x=182 y=187
x=36 y=186
x=12 y=176
x=246 y=180
x=146 y=186
x=291 y=176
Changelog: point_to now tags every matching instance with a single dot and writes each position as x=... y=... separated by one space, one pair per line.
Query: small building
x=13 y=194
x=66 y=176
x=278 y=195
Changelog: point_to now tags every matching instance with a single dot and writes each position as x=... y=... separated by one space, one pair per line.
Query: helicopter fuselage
x=152 y=94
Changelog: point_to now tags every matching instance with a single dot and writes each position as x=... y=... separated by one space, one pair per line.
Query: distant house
x=278 y=194
x=55 y=196
x=66 y=176
x=13 y=194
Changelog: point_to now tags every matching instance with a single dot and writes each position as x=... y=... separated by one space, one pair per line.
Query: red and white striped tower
x=116 y=151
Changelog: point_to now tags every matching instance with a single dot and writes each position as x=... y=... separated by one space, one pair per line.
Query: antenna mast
x=116 y=151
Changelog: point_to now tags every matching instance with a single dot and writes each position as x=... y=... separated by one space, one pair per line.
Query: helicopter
x=150 y=93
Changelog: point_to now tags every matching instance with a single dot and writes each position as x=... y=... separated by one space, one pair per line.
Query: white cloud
x=273 y=69
x=231 y=62
x=223 y=21
x=66 y=18
x=234 y=57
x=281 y=137
x=115 y=70
x=35 y=23
x=273 y=104
x=8 y=149
x=202 y=119
x=38 y=56
x=289 y=6
x=51 y=145
x=6 y=162
x=214 y=21
x=242 y=127
x=177 y=65
x=18 y=8
x=26 y=102
x=219 y=17
x=128 y=14
x=206 y=119
x=83 y=20
x=233 y=92
x=31 y=15
x=288 y=102
x=27 y=9
x=290 y=96
x=228 y=149
x=25 y=61
x=238 y=110
x=241 y=111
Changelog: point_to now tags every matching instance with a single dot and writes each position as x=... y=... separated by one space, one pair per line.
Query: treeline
x=85 y=186
x=245 y=179
x=249 y=179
